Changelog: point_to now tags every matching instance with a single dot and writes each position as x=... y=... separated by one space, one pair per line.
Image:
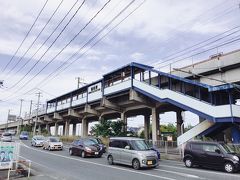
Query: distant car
x=211 y=154
x=13 y=132
x=52 y=143
x=6 y=137
x=37 y=141
x=99 y=142
x=85 y=147
x=24 y=135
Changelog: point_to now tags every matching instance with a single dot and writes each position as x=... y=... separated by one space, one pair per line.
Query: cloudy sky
x=156 y=30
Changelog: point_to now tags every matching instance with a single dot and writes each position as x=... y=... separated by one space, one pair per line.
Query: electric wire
x=21 y=58
x=5 y=67
x=48 y=47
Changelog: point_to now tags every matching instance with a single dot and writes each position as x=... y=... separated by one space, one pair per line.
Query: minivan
x=131 y=151
x=211 y=154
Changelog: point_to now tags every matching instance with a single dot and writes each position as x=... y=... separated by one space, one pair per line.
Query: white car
x=52 y=143
x=37 y=141
x=6 y=137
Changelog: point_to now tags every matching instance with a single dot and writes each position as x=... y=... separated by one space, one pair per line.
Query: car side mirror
x=127 y=147
x=218 y=151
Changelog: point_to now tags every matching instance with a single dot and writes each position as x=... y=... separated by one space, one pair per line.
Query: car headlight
x=236 y=158
x=88 y=149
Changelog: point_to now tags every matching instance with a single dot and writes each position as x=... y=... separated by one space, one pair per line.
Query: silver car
x=6 y=137
x=37 y=141
x=131 y=151
x=52 y=143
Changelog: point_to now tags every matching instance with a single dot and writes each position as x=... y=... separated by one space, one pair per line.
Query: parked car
x=24 y=135
x=99 y=142
x=85 y=147
x=37 y=141
x=52 y=143
x=6 y=137
x=13 y=132
x=211 y=154
x=131 y=151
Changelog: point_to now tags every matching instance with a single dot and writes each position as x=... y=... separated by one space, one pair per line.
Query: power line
x=21 y=58
x=68 y=65
x=88 y=42
x=184 y=51
x=49 y=46
x=26 y=36
x=211 y=48
x=47 y=38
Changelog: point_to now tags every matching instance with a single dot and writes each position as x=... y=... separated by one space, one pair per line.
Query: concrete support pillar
x=67 y=124
x=74 y=130
x=56 y=129
x=179 y=122
x=146 y=126
x=155 y=125
x=124 y=119
x=48 y=128
x=39 y=129
x=84 y=132
x=63 y=130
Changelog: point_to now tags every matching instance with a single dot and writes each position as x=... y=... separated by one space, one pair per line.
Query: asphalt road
x=59 y=165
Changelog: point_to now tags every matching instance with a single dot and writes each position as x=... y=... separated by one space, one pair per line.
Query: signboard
x=12 y=117
x=9 y=152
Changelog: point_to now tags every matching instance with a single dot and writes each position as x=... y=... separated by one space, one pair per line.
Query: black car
x=211 y=154
x=85 y=147
x=99 y=142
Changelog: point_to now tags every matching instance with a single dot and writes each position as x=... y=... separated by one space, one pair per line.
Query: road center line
x=108 y=166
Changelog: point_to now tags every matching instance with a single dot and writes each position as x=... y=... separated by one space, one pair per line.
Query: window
x=197 y=147
x=115 y=143
x=124 y=144
x=210 y=148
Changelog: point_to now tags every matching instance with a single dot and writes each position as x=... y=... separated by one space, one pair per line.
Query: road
x=59 y=165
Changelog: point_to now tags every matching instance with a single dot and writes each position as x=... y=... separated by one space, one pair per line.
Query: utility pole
x=7 y=120
x=30 y=109
x=35 y=124
x=20 y=122
x=80 y=81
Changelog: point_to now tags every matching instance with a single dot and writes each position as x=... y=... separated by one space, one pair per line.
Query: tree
x=108 y=128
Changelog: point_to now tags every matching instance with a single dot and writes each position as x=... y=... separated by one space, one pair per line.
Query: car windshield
x=89 y=142
x=54 y=140
x=7 y=134
x=24 y=133
x=39 y=138
x=140 y=145
x=227 y=148
x=96 y=140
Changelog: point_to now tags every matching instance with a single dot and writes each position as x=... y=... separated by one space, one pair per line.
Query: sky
x=156 y=30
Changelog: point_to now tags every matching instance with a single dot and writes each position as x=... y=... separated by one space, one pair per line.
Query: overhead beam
x=73 y=113
x=108 y=104
x=57 y=116
x=89 y=110
x=47 y=118
x=135 y=96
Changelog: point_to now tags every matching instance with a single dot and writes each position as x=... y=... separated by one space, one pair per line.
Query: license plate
x=149 y=162
x=96 y=153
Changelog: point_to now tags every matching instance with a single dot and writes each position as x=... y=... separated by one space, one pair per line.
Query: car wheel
x=49 y=148
x=188 y=162
x=136 y=164
x=70 y=152
x=110 y=160
x=83 y=154
x=228 y=167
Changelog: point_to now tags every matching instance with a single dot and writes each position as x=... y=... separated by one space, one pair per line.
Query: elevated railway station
x=138 y=89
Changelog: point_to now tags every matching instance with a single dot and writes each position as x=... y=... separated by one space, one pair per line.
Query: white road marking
x=108 y=166
x=199 y=170
x=181 y=174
